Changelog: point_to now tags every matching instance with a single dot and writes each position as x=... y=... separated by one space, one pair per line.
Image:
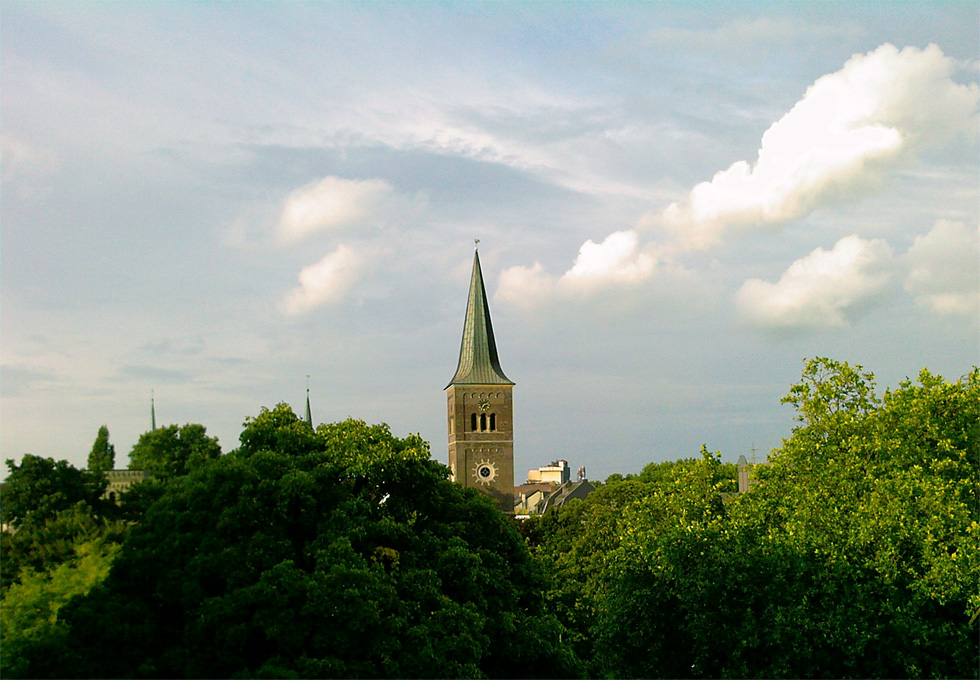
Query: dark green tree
x=41 y=487
x=347 y=553
x=103 y=454
x=174 y=451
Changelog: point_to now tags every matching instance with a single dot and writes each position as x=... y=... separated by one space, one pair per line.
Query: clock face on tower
x=484 y=404
x=485 y=472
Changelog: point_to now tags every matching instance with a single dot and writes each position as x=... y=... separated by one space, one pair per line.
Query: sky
x=677 y=205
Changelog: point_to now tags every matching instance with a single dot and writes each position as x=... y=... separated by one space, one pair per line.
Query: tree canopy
x=44 y=566
x=103 y=454
x=343 y=552
x=173 y=451
x=39 y=488
x=854 y=555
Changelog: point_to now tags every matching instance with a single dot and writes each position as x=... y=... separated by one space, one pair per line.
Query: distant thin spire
x=309 y=414
x=153 y=412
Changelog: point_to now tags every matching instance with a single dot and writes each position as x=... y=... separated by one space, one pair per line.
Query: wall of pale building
x=536 y=501
x=558 y=472
x=121 y=480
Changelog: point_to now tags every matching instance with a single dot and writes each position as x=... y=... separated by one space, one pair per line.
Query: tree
x=346 y=554
x=71 y=553
x=174 y=451
x=41 y=487
x=41 y=544
x=575 y=542
x=855 y=555
x=103 y=454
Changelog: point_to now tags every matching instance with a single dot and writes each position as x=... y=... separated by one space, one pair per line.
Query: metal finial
x=477 y=242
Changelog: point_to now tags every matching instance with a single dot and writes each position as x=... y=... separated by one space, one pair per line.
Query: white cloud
x=944 y=269
x=617 y=261
x=330 y=203
x=524 y=286
x=849 y=128
x=821 y=289
x=327 y=281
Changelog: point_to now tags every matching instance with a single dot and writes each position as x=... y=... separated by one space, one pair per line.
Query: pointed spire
x=153 y=412
x=309 y=414
x=478 y=362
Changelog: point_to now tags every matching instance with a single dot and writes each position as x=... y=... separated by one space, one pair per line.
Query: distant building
x=558 y=473
x=530 y=502
x=745 y=480
x=121 y=480
x=569 y=491
x=550 y=487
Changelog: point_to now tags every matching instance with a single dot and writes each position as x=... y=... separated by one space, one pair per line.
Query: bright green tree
x=103 y=454
x=575 y=542
x=73 y=553
x=855 y=555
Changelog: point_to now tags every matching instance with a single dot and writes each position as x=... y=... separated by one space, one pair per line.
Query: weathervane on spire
x=477 y=242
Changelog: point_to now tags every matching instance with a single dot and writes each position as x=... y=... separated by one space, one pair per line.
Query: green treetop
x=103 y=454
x=174 y=451
x=340 y=552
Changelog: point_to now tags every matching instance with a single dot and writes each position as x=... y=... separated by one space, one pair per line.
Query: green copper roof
x=478 y=362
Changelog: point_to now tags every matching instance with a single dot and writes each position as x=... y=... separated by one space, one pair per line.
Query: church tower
x=481 y=406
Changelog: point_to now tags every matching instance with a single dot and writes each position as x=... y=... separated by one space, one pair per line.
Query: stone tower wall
x=483 y=457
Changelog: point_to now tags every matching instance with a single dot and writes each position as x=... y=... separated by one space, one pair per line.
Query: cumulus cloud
x=820 y=290
x=327 y=281
x=329 y=204
x=849 y=128
x=944 y=269
x=618 y=260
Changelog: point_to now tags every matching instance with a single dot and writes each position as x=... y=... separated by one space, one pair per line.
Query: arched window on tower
x=473 y=422
x=483 y=422
x=493 y=422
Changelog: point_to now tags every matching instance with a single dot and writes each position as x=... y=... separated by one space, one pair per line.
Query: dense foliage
x=39 y=488
x=44 y=567
x=174 y=451
x=345 y=552
x=855 y=555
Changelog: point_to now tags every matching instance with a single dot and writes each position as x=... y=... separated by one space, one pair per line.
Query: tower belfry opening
x=481 y=405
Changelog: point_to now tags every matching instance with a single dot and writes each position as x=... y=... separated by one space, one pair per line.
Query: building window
x=483 y=422
x=473 y=422
x=493 y=422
